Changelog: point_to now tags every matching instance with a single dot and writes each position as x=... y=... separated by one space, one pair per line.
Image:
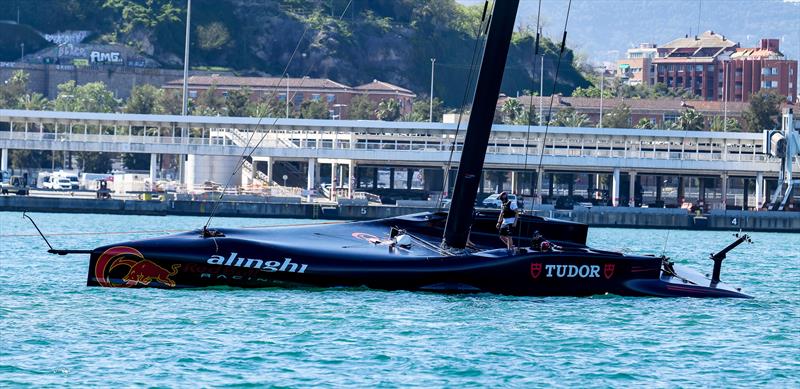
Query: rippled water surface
x=55 y=331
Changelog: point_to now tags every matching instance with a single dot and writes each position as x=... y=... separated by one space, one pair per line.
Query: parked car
x=493 y=201
x=59 y=184
x=17 y=185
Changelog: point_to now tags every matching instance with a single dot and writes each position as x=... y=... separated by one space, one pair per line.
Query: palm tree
x=569 y=118
x=720 y=124
x=388 y=110
x=690 y=120
x=512 y=110
x=34 y=102
x=644 y=123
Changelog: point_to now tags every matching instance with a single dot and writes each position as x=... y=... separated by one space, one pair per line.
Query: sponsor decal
x=608 y=270
x=570 y=271
x=536 y=270
x=270 y=266
x=140 y=271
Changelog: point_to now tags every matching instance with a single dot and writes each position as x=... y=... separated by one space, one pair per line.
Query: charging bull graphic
x=140 y=271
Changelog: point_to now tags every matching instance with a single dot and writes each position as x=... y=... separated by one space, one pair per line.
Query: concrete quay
x=597 y=216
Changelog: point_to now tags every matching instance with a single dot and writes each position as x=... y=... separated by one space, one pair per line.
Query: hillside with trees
x=390 y=40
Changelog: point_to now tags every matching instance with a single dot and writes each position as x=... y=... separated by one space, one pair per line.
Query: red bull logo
x=140 y=271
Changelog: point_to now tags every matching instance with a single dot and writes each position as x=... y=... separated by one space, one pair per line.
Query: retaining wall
x=596 y=216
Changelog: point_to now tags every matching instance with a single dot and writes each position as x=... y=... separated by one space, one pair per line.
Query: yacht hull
x=361 y=254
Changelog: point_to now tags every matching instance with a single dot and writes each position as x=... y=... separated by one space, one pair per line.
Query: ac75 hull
x=361 y=255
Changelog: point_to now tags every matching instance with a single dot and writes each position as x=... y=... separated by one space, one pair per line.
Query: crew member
x=507 y=219
x=539 y=243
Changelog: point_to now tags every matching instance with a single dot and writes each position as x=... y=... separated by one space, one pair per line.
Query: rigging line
x=553 y=91
x=264 y=135
x=475 y=47
x=530 y=110
x=530 y=103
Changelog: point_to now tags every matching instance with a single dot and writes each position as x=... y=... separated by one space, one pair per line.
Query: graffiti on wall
x=66 y=37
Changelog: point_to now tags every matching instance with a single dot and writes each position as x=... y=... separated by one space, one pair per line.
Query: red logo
x=608 y=270
x=140 y=271
x=536 y=270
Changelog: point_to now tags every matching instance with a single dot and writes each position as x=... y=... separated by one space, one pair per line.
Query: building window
x=298 y=99
x=315 y=96
x=193 y=94
x=282 y=97
x=698 y=68
x=331 y=98
x=670 y=117
x=774 y=84
x=764 y=71
x=774 y=71
x=710 y=68
x=789 y=98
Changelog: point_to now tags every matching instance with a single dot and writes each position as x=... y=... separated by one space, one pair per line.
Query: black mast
x=490 y=76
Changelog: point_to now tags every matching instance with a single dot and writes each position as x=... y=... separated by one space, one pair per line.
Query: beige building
x=637 y=68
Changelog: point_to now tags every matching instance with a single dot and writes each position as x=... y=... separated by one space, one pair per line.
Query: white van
x=59 y=180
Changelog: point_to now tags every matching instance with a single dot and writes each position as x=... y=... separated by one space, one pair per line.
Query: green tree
x=314 y=109
x=690 y=120
x=135 y=161
x=91 y=97
x=237 y=103
x=420 y=110
x=269 y=106
x=144 y=99
x=208 y=103
x=92 y=162
x=361 y=108
x=719 y=124
x=388 y=110
x=170 y=102
x=569 y=117
x=147 y=14
x=593 y=91
x=34 y=102
x=512 y=111
x=12 y=89
x=213 y=36
x=618 y=117
x=763 y=110
x=644 y=123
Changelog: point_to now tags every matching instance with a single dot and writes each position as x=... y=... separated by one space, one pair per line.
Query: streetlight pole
x=185 y=106
x=185 y=103
x=725 y=96
x=541 y=92
x=430 y=114
x=287 y=95
x=602 y=82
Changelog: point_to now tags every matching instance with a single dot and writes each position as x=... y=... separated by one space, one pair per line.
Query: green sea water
x=55 y=331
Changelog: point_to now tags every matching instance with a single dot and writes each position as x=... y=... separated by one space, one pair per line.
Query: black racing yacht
x=451 y=252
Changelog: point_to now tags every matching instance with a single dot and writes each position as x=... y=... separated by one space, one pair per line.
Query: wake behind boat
x=408 y=252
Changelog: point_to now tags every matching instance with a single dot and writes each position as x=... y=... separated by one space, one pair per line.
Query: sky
x=601 y=30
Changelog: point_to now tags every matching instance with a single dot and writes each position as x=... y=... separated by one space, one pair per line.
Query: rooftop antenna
x=699 y=13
